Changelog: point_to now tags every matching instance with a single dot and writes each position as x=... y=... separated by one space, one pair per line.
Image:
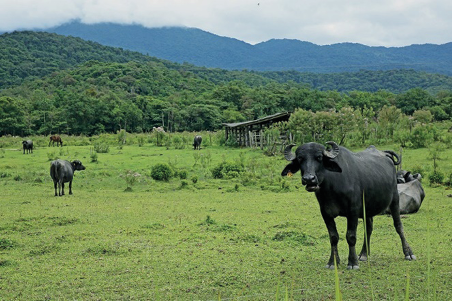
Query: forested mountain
x=202 y=48
x=30 y=55
x=57 y=84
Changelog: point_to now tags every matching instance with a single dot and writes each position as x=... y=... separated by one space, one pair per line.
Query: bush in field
x=182 y=174
x=131 y=178
x=436 y=177
x=194 y=179
x=122 y=136
x=161 y=172
x=101 y=147
x=227 y=170
x=421 y=136
x=178 y=142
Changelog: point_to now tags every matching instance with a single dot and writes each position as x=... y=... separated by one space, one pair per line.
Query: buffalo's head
x=313 y=160
x=77 y=165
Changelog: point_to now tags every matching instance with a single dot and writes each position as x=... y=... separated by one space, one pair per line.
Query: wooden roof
x=284 y=116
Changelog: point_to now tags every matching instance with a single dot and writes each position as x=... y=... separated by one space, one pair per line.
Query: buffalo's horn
x=288 y=152
x=333 y=152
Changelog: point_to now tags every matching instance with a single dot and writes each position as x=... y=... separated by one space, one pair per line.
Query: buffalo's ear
x=291 y=168
x=331 y=165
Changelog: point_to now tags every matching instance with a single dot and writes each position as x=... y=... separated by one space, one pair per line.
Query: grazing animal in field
x=411 y=192
x=341 y=180
x=27 y=146
x=57 y=139
x=62 y=172
x=197 y=142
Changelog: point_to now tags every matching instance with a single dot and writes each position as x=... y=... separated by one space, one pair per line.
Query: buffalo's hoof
x=70 y=192
x=353 y=267
x=362 y=257
x=410 y=257
x=330 y=266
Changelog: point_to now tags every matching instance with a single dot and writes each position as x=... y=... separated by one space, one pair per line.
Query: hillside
x=28 y=55
x=202 y=48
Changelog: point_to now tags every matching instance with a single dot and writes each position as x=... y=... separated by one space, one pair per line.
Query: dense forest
x=47 y=87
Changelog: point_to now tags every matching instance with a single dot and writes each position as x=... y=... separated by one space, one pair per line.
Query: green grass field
x=255 y=237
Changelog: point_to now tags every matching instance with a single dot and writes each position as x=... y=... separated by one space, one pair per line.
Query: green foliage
x=182 y=174
x=122 y=135
x=436 y=177
x=194 y=179
x=161 y=172
x=101 y=147
x=6 y=244
x=93 y=156
x=421 y=136
x=131 y=178
x=227 y=170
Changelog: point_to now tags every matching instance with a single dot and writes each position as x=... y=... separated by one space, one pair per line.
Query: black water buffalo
x=197 y=142
x=27 y=146
x=341 y=179
x=63 y=171
x=57 y=139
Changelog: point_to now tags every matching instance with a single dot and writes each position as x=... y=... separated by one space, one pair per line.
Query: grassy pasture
x=256 y=237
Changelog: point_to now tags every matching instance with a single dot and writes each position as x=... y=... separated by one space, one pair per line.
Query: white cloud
x=385 y=23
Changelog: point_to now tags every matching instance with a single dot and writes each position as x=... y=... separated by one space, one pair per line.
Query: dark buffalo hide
x=27 y=146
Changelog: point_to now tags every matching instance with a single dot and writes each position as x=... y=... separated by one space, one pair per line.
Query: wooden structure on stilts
x=251 y=133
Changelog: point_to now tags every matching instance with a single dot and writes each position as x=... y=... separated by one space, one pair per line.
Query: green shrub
x=178 y=142
x=194 y=179
x=101 y=147
x=161 y=172
x=93 y=156
x=227 y=170
x=140 y=141
x=182 y=174
x=436 y=177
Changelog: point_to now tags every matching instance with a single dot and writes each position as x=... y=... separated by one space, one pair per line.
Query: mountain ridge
x=202 y=48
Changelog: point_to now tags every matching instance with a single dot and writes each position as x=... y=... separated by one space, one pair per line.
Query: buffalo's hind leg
x=395 y=212
x=334 y=239
x=365 y=251
x=55 y=184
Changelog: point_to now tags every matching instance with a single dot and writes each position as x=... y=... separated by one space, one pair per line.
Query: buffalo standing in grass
x=27 y=146
x=341 y=179
x=197 y=142
x=57 y=139
x=62 y=172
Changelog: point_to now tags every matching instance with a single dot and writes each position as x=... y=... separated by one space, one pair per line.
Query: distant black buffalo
x=343 y=181
x=27 y=146
x=63 y=171
x=57 y=139
x=197 y=142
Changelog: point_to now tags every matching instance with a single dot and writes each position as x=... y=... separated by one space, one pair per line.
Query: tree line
x=99 y=97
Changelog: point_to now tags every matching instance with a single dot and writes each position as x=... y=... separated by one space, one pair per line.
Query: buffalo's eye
x=319 y=158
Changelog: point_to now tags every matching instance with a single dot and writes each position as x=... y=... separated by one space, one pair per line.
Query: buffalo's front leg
x=70 y=187
x=365 y=251
x=334 y=239
x=352 y=224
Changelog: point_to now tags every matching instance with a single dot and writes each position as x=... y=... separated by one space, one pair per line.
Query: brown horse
x=57 y=139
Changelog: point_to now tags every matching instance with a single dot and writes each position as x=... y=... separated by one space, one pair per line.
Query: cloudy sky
x=370 y=22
